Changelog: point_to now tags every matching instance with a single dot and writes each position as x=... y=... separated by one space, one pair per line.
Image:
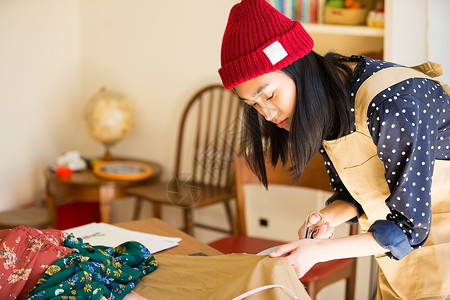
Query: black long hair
x=322 y=112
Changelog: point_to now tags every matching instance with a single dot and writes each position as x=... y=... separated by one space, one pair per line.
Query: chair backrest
x=207 y=140
x=314 y=176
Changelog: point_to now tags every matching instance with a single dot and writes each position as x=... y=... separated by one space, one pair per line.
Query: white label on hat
x=275 y=52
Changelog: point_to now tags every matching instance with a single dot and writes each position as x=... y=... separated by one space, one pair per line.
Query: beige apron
x=425 y=272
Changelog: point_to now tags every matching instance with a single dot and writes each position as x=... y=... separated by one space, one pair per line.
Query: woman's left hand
x=302 y=254
x=305 y=253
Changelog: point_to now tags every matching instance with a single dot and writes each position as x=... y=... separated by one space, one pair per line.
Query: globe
x=109 y=117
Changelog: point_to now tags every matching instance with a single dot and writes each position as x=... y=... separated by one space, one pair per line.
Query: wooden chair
x=204 y=169
x=314 y=176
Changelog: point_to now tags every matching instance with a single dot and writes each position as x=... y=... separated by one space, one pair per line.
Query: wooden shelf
x=344 y=30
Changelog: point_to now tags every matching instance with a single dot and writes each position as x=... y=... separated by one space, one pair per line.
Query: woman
x=384 y=133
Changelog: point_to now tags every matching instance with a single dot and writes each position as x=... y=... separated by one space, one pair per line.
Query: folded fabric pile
x=73 y=269
x=25 y=254
x=95 y=271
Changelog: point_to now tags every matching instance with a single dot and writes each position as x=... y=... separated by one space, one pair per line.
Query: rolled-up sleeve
x=391 y=237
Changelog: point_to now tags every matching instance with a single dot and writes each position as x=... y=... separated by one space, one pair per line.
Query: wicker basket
x=345 y=16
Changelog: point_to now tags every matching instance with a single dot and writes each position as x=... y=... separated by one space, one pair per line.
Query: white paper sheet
x=102 y=234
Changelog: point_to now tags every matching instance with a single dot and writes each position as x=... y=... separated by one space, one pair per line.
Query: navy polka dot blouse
x=410 y=124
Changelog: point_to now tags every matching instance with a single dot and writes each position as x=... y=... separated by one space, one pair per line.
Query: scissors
x=309 y=234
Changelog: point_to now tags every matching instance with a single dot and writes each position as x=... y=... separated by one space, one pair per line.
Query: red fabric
x=25 y=254
x=252 y=26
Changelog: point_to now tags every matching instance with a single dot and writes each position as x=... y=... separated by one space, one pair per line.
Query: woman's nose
x=268 y=112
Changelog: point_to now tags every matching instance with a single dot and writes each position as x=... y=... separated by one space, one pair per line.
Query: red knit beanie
x=259 y=39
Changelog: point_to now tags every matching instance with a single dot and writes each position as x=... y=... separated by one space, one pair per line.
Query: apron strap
x=433 y=70
x=430 y=68
x=383 y=79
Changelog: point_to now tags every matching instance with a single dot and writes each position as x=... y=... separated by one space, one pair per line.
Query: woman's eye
x=254 y=104
x=271 y=97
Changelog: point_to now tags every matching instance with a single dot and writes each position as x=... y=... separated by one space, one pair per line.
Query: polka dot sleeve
x=404 y=129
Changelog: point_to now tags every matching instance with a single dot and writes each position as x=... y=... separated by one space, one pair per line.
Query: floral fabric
x=25 y=254
x=95 y=272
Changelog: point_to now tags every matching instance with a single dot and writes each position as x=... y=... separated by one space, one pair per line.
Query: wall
x=438 y=39
x=416 y=33
x=39 y=92
x=405 y=41
x=156 y=52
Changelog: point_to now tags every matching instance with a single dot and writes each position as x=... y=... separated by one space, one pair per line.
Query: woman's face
x=273 y=95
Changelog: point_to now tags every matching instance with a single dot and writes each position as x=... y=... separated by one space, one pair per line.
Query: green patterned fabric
x=95 y=272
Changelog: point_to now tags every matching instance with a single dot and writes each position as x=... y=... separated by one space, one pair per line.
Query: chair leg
x=231 y=219
x=137 y=208
x=350 y=289
x=156 y=210
x=188 y=221
x=311 y=289
x=350 y=284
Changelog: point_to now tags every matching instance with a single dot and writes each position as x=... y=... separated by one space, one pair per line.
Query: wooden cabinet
x=407 y=38
x=346 y=39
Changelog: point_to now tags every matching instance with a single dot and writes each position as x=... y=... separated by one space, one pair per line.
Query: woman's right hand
x=323 y=231
x=334 y=214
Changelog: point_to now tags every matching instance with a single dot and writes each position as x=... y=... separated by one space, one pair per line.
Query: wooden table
x=188 y=244
x=85 y=186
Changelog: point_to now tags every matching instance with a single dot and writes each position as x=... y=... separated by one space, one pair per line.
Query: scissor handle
x=308 y=234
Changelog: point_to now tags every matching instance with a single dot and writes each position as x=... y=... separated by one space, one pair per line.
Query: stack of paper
x=102 y=234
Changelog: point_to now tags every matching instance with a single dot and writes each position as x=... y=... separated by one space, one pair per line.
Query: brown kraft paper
x=219 y=277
